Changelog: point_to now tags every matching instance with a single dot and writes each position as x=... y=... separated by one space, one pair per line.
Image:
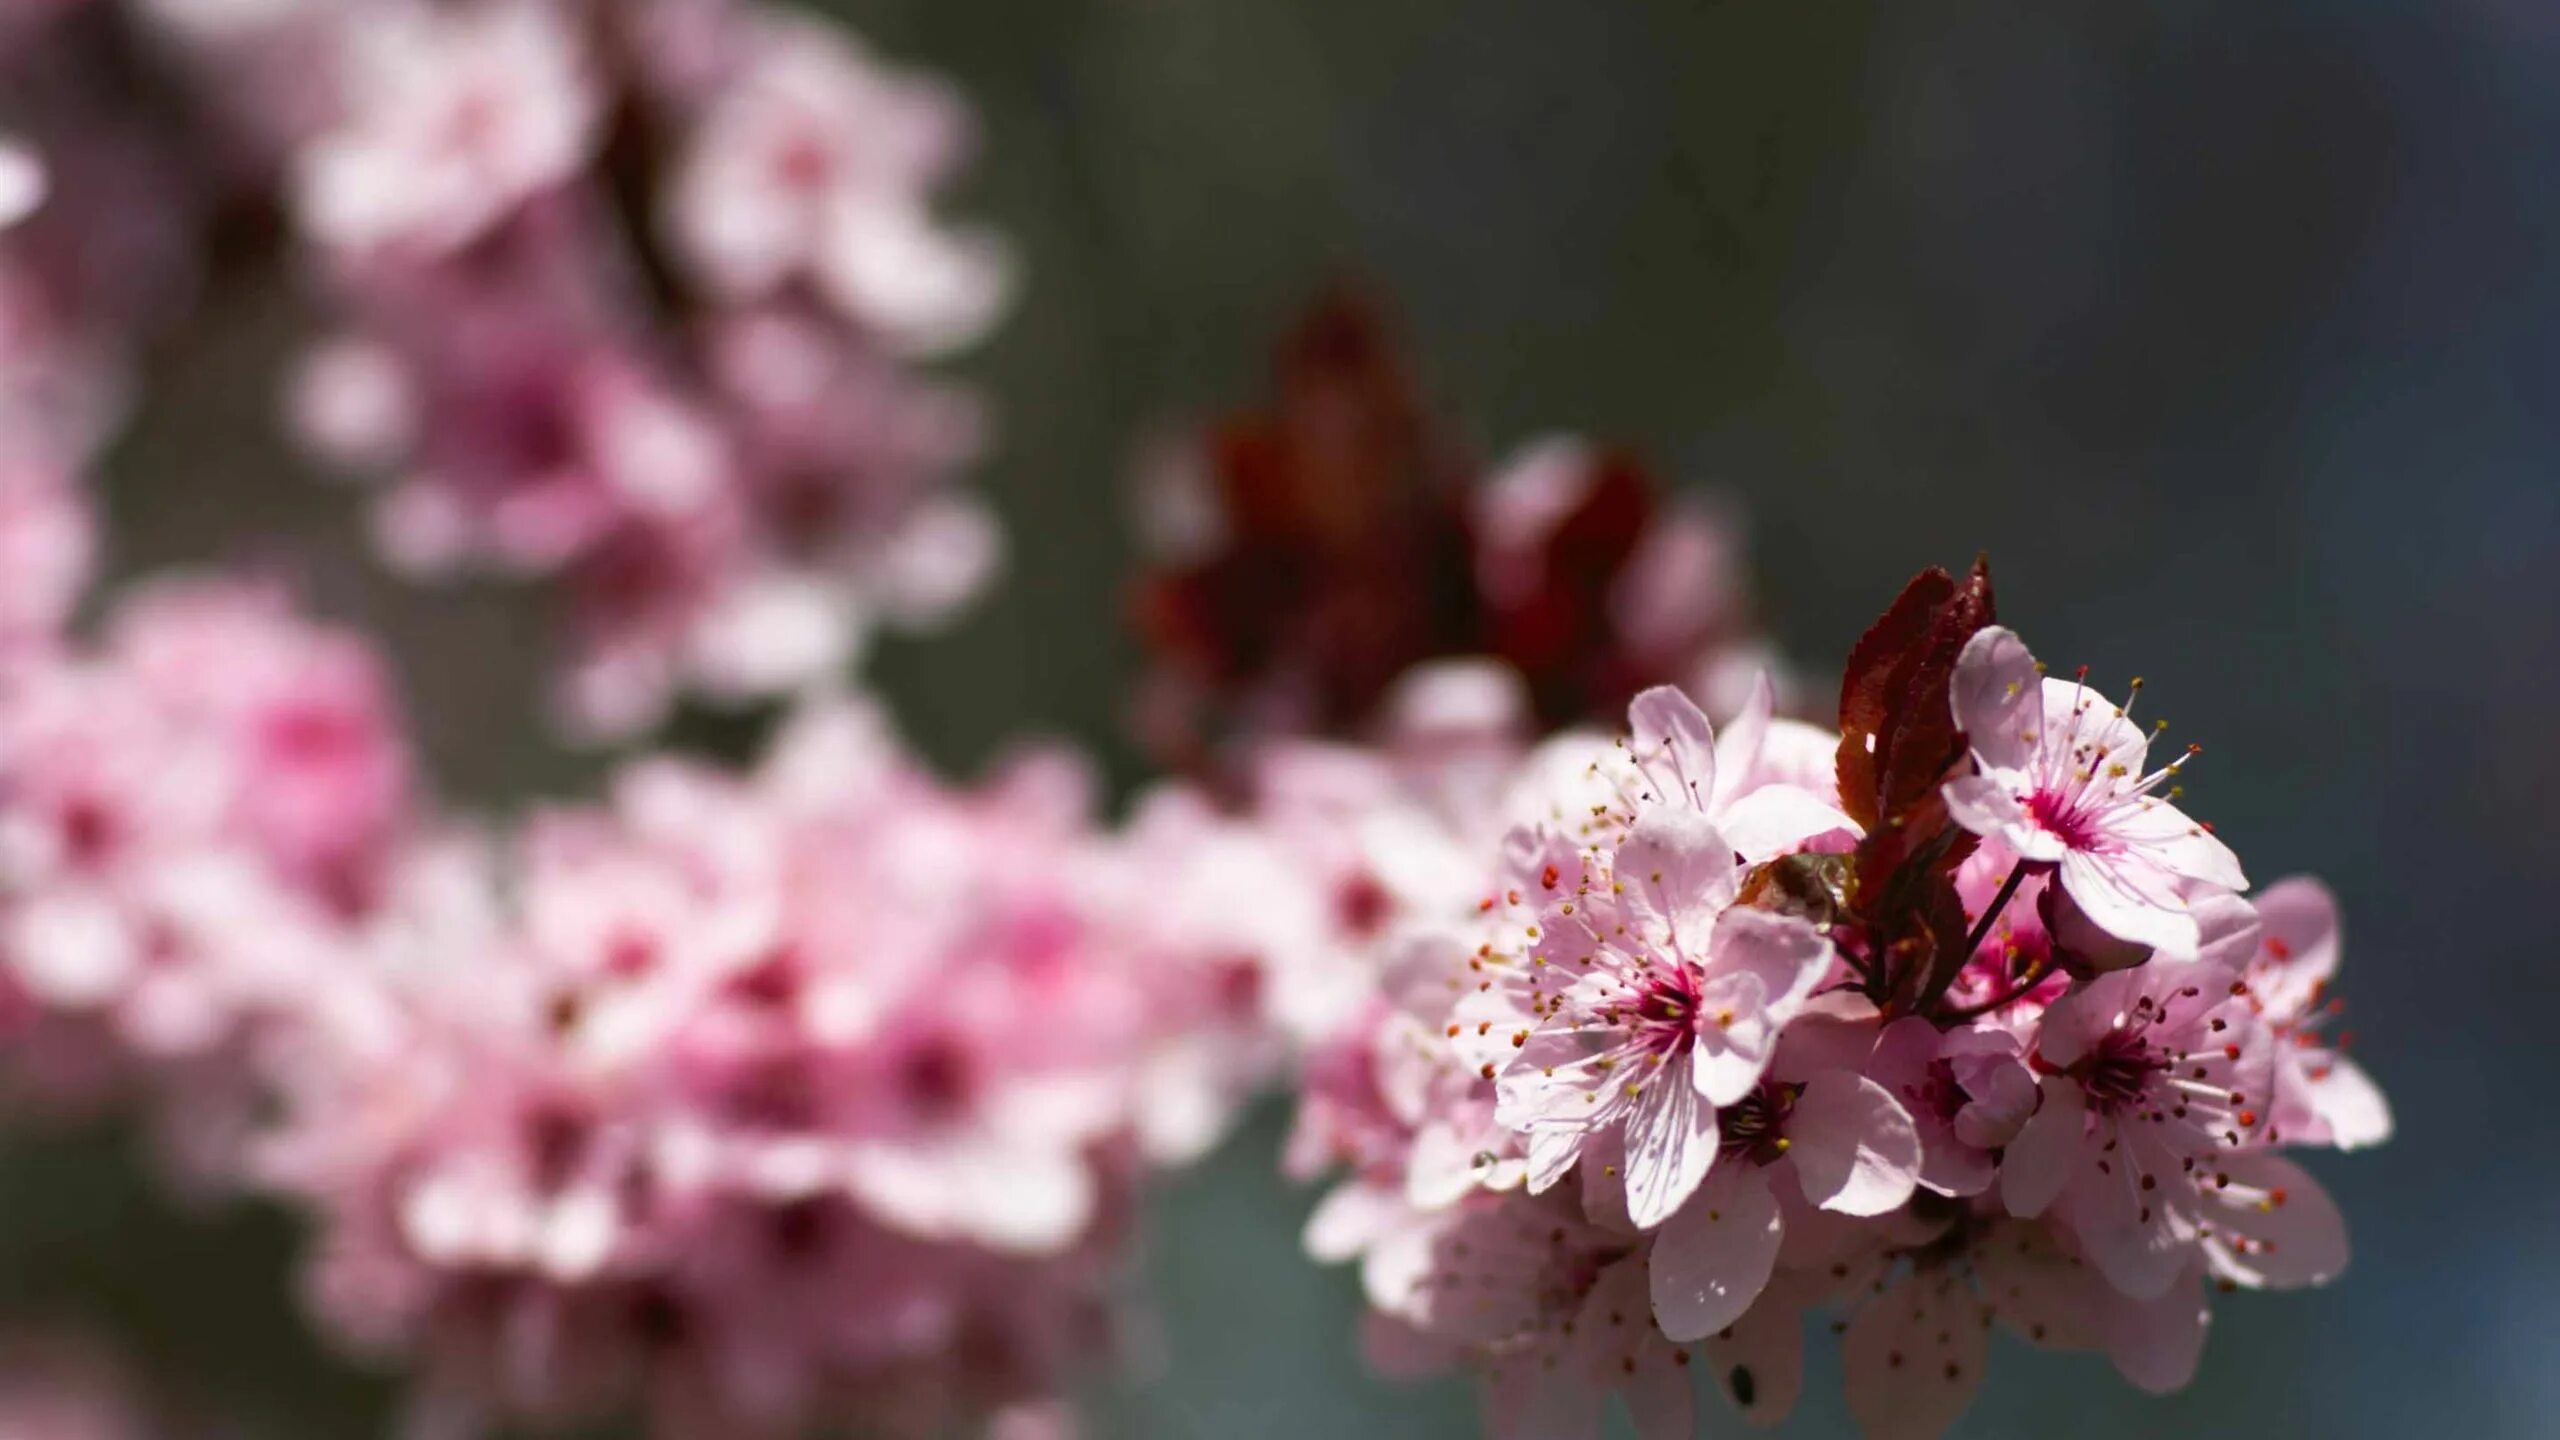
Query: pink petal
x=1997 y=698
x=2274 y=1227
x=2040 y=1162
x=2300 y=920
x=1671 y=1139
x=1855 y=1148
x=1661 y=1403
x=1780 y=819
x=1787 y=953
x=1738 y=744
x=2039 y=1288
x=2227 y=929
x=1679 y=874
x=1758 y=1360
x=1914 y=1356
x=2131 y=1233
x=1620 y=1349
x=2176 y=843
x=1529 y=1399
x=1398 y=1351
x=1350 y=1218
x=1990 y=807
x=2155 y=1343
x=2130 y=900
x=1552 y=1154
x=1674 y=745
x=1738 y=1031
x=2350 y=1106
x=1712 y=1258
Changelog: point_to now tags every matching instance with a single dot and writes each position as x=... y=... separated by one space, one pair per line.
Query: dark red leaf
x=1869 y=691
x=1923 y=740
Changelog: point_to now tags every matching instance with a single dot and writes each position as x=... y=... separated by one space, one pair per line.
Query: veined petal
x=1780 y=819
x=2040 y=1162
x=1712 y=1258
x=1671 y=1141
x=1737 y=1033
x=1997 y=698
x=1679 y=874
x=2130 y=899
x=2175 y=842
x=1855 y=1148
x=2274 y=1227
x=1672 y=742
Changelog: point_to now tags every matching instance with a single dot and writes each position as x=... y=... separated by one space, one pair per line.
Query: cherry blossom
x=452 y=118
x=2152 y=1078
x=2061 y=782
x=2321 y=1096
x=1806 y=1042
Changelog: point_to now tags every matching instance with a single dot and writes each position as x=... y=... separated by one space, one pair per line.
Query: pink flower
x=453 y=119
x=1916 y=1349
x=1968 y=1091
x=1557 y=1305
x=324 y=782
x=1845 y=1144
x=2060 y=780
x=1666 y=1004
x=815 y=163
x=751 y=1100
x=2154 y=1078
x=1764 y=782
x=2321 y=1096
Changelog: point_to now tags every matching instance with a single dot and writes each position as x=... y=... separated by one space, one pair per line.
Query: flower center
x=2058 y=815
x=1754 y=1127
x=1666 y=1010
x=2119 y=1071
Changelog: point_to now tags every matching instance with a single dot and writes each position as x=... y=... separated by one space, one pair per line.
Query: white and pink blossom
x=2061 y=781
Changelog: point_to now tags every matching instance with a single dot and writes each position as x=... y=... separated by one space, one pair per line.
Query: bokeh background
x=2227 y=329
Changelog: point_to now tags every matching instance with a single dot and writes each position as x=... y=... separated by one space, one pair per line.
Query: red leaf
x=1869 y=692
x=1923 y=740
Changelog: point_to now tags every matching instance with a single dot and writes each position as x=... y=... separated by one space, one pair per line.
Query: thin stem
x=1999 y=902
x=2034 y=977
x=1945 y=968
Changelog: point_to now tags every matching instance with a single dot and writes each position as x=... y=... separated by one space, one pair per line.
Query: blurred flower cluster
x=748 y=1099
x=1946 y=1019
x=627 y=297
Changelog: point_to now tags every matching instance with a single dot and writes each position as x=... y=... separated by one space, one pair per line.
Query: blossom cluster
x=629 y=298
x=197 y=815
x=746 y=1100
x=739 y=1100
x=1946 y=1020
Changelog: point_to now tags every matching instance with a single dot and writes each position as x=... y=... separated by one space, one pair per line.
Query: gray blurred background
x=2224 y=327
